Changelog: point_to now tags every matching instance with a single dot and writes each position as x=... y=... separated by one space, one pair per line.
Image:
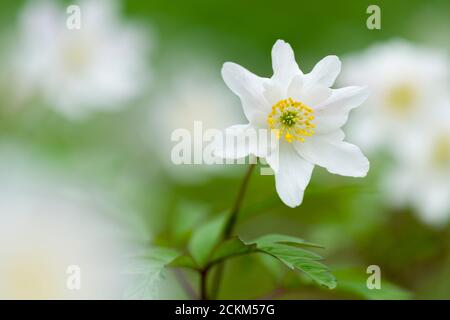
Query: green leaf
x=146 y=270
x=159 y=254
x=186 y=217
x=353 y=281
x=304 y=261
x=231 y=247
x=284 y=239
x=205 y=238
x=273 y=266
x=286 y=249
x=183 y=261
x=290 y=255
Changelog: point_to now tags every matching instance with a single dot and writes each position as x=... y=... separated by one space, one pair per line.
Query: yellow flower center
x=441 y=154
x=77 y=55
x=292 y=120
x=401 y=98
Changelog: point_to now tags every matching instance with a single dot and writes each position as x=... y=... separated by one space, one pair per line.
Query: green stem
x=237 y=203
x=228 y=230
x=203 y=290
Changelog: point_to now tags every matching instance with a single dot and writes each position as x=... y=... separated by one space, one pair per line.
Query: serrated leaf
x=146 y=270
x=142 y=287
x=294 y=253
x=161 y=254
x=183 y=261
x=273 y=266
x=205 y=238
x=231 y=247
x=285 y=239
x=304 y=261
x=280 y=247
x=353 y=281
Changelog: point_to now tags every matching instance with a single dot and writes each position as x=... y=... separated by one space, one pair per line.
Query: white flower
x=46 y=226
x=192 y=95
x=99 y=67
x=406 y=83
x=306 y=115
x=420 y=177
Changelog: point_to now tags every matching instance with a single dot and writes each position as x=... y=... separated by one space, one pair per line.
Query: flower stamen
x=291 y=119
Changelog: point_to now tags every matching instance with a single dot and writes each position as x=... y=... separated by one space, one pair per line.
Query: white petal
x=332 y=114
x=241 y=141
x=310 y=94
x=337 y=156
x=293 y=176
x=295 y=88
x=273 y=159
x=314 y=95
x=283 y=63
x=249 y=88
x=273 y=92
x=325 y=71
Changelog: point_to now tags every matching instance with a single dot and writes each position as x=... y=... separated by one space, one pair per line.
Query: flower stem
x=237 y=203
x=228 y=230
x=203 y=290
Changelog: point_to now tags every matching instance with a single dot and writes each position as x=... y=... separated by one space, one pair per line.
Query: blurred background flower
x=421 y=176
x=192 y=92
x=47 y=225
x=157 y=64
x=100 y=66
x=407 y=82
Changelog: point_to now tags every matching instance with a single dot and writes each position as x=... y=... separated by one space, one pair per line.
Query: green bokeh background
x=347 y=216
